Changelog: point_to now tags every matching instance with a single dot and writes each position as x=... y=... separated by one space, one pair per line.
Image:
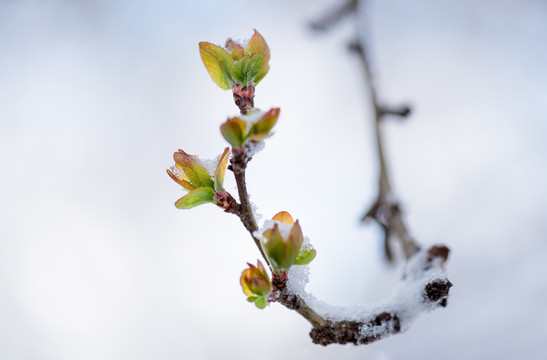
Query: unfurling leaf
x=233 y=130
x=246 y=69
x=275 y=248
x=261 y=129
x=305 y=256
x=255 y=281
x=254 y=66
x=195 y=172
x=196 y=197
x=239 y=72
x=176 y=173
x=218 y=63
x=261 y=302
x=221 y=169
x=294 y=242
x=284 y=217
x=257 y=45
x=234 y=49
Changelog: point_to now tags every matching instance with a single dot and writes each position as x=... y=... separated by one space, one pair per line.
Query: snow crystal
x=252 y=117
x=253 y=147
x=258 y=216
x=298 y=276
x=243 y=43
x=209 y=165
x=284 y=228
x=177 y=172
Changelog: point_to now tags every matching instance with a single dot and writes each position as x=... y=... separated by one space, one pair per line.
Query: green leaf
x=294 y=243
x=261 y=303
x=252 y=298
x=305 y=256
x=262 y=73
x=233 y=130
x=253 y=67
x=196 y=197
x=257 y=45
x=196 y=173
x=178 y=177
x=261 y=129
x=218 y=63
x=239 y=72
x=247 y=68
x=276 y=248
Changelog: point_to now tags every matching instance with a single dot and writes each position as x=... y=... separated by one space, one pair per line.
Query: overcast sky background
x=95 y=96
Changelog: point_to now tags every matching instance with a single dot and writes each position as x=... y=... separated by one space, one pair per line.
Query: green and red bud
x=202 y=187
x=237 y=65
x=235 y=49
x=256 y=284
x=238 y=130
x=283 y=251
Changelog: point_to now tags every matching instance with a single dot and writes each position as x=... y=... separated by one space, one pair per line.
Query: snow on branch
x=423 y=287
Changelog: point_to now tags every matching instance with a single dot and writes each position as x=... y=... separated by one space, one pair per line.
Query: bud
x=282 y=251
x=235 y=50
x=256 y=284
x=256 y=126
x=283 y=243
x=202 y=186
x=237 y=67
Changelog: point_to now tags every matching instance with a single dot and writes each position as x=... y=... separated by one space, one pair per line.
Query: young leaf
x=257 y=45
x=221 y=169
x=233 y=130
x=253 y=67
x=196 y=197
x=252 y=298
x=261 y=129
x=178 y=175
x=218 y=63
x=196 y=173
x=239 y=72
x=234 y=49
x=305 y=256
x=275 y=248
x=294 y=243
x=261 y=302
x=284 y=217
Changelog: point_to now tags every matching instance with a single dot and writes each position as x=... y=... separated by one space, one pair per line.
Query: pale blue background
x=95 y=261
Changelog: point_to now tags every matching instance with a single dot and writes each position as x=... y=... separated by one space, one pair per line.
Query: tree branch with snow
x=281 y=241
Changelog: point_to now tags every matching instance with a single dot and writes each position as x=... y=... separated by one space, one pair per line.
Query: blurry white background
x=95 y=96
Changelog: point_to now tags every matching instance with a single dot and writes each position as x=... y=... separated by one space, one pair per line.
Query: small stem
x=245 y=213
x=246 y=210
x=394 y=221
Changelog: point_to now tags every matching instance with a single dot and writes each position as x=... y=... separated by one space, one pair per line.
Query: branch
x=238 y=165
x=385 y=210
x=423 y=285
x=332 y=17
x=423 y=288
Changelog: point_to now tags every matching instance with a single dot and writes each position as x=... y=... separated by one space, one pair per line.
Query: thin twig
x=238 y=165
x=384 y=210
x=332 y=17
